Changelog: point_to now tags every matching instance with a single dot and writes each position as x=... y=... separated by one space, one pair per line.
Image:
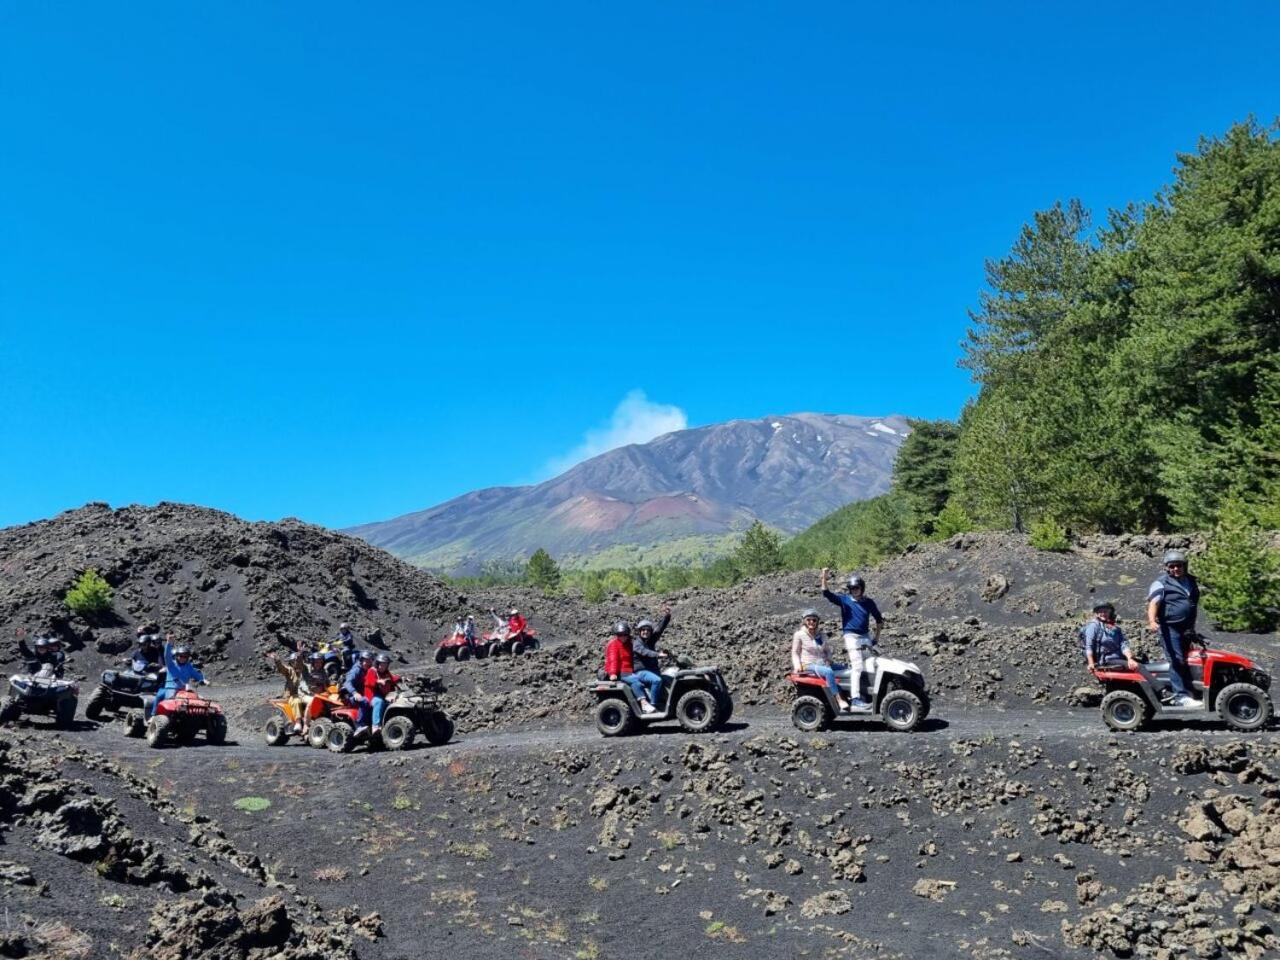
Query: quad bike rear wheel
x=442 y=654
x=1123 y=710
x=10 y=710
x=342 y=737
x=157 y=731
x=614 y=717
x=517 y=648
x=901 y=710
x=134 y=722
x=810 y=714
x=1244 y=706
x=726 y=706
x=97 y=704
x=397 y=733
x=495 y=648
x=481 y=651
x=438 y=729
x=318 y=733
x=215 y=730
x=698 y=711
x=64 y=713
x=275 y=732
x=462 y=653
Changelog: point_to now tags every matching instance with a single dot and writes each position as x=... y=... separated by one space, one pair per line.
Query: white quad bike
x=892 y=689
x=696 y=697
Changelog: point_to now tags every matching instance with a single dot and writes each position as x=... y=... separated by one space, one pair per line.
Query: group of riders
x=513 y=627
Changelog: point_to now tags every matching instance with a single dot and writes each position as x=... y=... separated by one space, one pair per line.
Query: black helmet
x=383 y=658
x=365 y=655
x=1108 y=608
x=856 y=581
x=622 y=628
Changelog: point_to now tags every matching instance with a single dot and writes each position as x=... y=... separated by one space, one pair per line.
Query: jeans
x=827 y=672
x=642 y=680
x=862 y=653
x=1171 y=638
x=379 y=705
x=167 y=692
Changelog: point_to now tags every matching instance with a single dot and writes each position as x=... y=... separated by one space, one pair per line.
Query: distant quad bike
x=278 y=729
x=410 y=711
x=696 y=697
x=455 y=645
x=500 y=641
x=123 y=690
x=42 y=692
x=179 y=719
x=895 y=693
x=1230 y=686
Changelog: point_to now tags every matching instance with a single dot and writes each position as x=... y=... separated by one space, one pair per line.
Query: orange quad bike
x=279 y=728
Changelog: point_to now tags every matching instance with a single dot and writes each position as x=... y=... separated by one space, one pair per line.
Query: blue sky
x=341 y=262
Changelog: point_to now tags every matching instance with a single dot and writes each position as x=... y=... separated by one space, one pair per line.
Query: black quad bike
x=696 y=697
x=413 y=710
x=121 y=690
x=41 y=692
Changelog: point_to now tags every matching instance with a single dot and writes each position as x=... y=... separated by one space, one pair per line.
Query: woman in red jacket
x=619 y=665
x=378 y=685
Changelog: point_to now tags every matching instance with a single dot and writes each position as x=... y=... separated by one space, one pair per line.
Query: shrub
x=90 y=596
x=1048 y=534
x=1241 y=574
x=593 y=590
x=952 y=519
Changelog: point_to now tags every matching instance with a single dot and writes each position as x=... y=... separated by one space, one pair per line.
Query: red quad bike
x=500 y=641
x=1228 y=684
x=895 y=692
x=180 y=718
x=455 y=645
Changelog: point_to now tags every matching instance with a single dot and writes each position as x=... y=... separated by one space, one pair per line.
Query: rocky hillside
x=692 y=484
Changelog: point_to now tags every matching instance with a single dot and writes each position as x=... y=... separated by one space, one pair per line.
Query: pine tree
x=759 y=552
x=1241 y=574
x=542 y=571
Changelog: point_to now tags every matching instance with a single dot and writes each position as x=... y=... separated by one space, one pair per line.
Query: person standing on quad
x=620 y=665
x=378 y=685
x=810 y=653
x=179 y=671
x=290 y=667
x=644 y=645
x=353 y=688
x=860 y=622
x=1173 y=601
x=47 y=652
x=347 y=641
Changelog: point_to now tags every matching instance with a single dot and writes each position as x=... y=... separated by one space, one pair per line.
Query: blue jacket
x=353 y=685
x=855 y=615
x=179 y=674
x=1103 y=642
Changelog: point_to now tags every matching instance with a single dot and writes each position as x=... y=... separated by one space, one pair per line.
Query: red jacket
x=376 y=686
x=617 y=657
x=516 y=625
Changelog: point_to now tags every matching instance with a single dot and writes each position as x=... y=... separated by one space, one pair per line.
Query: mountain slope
x=698 y=484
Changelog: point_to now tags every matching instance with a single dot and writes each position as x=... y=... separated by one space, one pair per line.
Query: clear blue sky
x=343 y=261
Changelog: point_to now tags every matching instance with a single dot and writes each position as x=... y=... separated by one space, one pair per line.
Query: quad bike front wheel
x=342 y=737
x=157 y=731
x=10 y=710
x=93 y=710
x=215 y=730
x=134 y=723
x=901 y=710
x=698 y=711
x=397 y=733
x=1244 y=707
x=64 y=713
x=441 y=655
x=438 y=729
x=495 y=648
x=614 y=717
x=462 y=653
x=318 y=733
x=1123 y=710
x=517 y=648
x=810 y=714
x=275 y=732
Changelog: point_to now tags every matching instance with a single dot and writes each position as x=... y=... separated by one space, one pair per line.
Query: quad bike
x=502 y=641
x=455 y=645
x=894 y=691
x=279 y=728
x=1229 y=685
x=123 y=690
x=409 y=711
x=41 y=692
x=696 y=697
x=180 y=718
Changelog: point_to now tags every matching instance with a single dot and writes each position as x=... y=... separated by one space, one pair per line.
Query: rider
x=353 y=688
x=466 y=628
x=347 y=641
x=809 y=652
x=150 y=653
x=619 y=665
x=378 y=684
x=1104 y=643
x=1173 y=601
x=644 y=645
x=516 y=624
x=860 y=621
x=291 y=668
x=179 y=671
x=47 y=652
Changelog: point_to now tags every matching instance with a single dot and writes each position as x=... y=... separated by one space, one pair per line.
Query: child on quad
x=860 y=622
x=810 y=653
x=619 y=664
x=379 y=683
x=179 y=671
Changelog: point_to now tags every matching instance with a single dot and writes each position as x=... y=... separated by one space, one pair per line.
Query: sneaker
x=376 y=731
x=360 y=731
x=1188 y=701
x=858 y=704
x=296 y=728
x=647 y=707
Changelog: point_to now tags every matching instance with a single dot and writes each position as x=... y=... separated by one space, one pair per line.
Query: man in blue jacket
x=860 y=622
x=353 y=688
x=179 y=671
